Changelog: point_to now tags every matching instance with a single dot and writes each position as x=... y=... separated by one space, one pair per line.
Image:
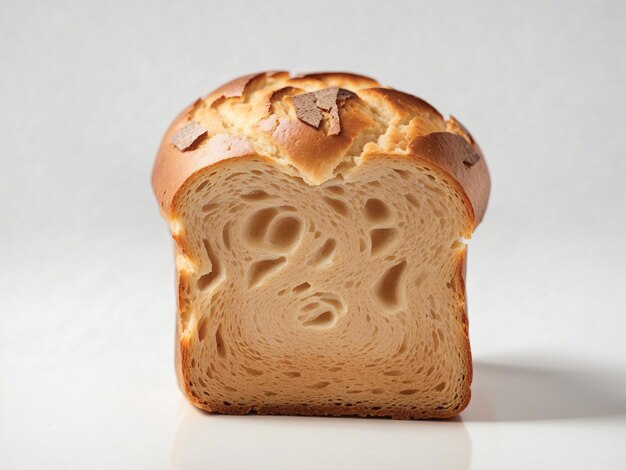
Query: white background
x=87 y=296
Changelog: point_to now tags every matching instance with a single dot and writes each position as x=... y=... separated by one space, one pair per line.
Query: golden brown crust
x=302 y=145
x=404 y=104
x=237 y=87
x=381 y=121
x=452 y=153
x=173 y=167
x=339 y=78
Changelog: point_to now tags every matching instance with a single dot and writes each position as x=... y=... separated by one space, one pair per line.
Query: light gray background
x=87 y=297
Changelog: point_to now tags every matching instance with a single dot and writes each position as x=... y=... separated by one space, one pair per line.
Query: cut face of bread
x=342 y=298
x=320 y=225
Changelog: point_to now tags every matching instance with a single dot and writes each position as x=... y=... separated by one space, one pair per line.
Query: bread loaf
x=320 y=225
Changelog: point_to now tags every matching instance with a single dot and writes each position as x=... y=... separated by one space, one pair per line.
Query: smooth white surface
x=87 y=297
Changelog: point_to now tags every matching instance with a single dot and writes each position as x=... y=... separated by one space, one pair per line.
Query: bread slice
x=320 y=225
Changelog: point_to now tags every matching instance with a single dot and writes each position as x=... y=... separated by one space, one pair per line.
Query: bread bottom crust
x=317 y=410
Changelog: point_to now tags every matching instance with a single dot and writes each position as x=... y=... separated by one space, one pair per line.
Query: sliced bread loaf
x=320 y=225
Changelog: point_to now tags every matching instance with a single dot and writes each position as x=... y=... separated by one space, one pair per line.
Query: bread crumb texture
x=320 y=225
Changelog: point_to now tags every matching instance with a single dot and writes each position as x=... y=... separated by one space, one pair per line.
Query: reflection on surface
x=532 y=390
x=214 y=441
x=507 y=391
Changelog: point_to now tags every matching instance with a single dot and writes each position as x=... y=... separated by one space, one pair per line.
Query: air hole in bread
x=301 y=287
x=389 y=289
x=378 y=391
x=393 y=373
x=324 y=255
x=201 y=186
x=412 y=201
x=226 y=234
x=321 y=320
x=321 y=310
x=259 y=270
x=337 y=205
x=402 y=347
x=376 y=210
x=209 y=206
x=219 y=342
x=252 y=372
x=382 y=239
x=338 y=190
x=336 y=303
x=404 y=174
x=435 y=341
x=442 y=337
x=235 y=208
x=411 y=391
x=320 y=385
x=432 y=302
x=293 y=374
x=284 y=232
x=436 y=190
x=232 y=175
x=215 y=276
x=256 y=195
x=310 y=307
x=257 y=224
x=203 y=325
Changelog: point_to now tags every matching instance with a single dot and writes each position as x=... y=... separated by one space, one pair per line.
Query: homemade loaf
x=320 y=225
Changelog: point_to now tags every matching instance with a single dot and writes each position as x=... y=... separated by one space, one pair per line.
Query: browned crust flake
x=309 y=107
x=189 y=135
